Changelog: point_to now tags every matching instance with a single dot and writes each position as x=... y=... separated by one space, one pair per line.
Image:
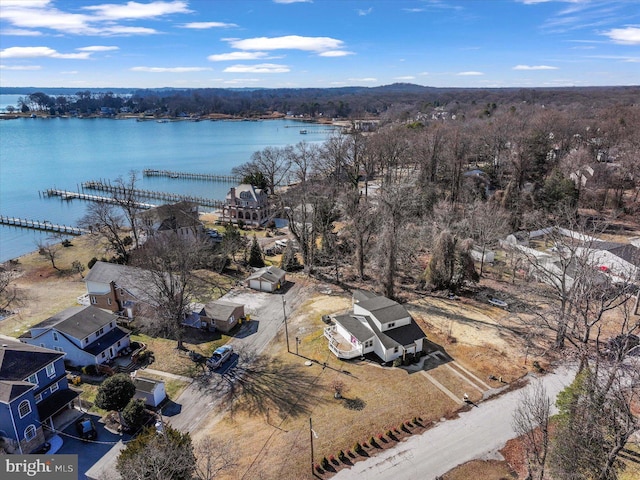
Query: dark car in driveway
x=86 y=428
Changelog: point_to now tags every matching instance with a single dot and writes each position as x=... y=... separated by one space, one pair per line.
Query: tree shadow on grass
x=258 y=385
x=354 y=403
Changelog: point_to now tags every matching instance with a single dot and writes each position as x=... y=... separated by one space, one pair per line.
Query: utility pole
x=311 y=435
x=286 y=330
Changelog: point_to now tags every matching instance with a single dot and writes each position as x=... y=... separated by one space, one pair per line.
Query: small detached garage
x=267 y=279
x=151 y=391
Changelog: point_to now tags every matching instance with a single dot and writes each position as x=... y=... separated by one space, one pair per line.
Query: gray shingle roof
x=11 y=390
x=384 y=309
x=399 y=336
x=19 y=360
x=269 y=274
x=220 y=309
x=135 y=280
x=78 y=322
x=354 y=326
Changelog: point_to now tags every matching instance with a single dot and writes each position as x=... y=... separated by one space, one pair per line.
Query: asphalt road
x=478 y=433
x=199 y=399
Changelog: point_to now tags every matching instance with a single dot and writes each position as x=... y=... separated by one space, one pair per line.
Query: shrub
x=415 y=420
x=397 y=362
x=357 y=447
x=342 y=456
x=90 y=370
x=333 y=460
x=380 y=436
x=389 y=433
x=325 y=463
x=350 y=453
x=318 y=468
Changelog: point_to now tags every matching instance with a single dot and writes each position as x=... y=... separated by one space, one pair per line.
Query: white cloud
x=70 y=72
x=20 y=67
x=469 y=74
x=31 y=15
x=288 y=42
x=534 y=67
x=259 y=68
x=223 y=57
x=335 y=53
x=21 y=32
x=38 y=52
x=132 y=10
x=364 y=13
x=625 y=36
x=206 y=25
x=169 y=69
x=364 y=80
x=405 y=77
x=98 y=48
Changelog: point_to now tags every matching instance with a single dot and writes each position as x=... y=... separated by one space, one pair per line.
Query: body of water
x=37 y=154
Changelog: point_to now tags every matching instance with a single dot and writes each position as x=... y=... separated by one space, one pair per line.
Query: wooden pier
x=148 y=172
x=68 y=195
x=41 y=225
x=171 y=197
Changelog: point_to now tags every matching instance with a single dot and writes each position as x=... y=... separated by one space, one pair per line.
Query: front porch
x=339 y=345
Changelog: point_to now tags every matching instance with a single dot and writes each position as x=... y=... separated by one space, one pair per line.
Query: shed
x=267 y=279
x=151 y=391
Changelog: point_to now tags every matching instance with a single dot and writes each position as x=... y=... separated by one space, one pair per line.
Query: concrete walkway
x=478 y=433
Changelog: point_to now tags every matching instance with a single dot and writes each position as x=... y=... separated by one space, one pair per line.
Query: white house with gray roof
x=376 y=325
x=88 y=335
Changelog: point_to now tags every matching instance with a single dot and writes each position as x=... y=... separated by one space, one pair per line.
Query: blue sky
x=319 y=43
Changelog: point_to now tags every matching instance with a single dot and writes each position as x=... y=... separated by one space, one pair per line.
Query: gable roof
x=399 y=336
x=146 y=384
x=356 y=327
x=220 y=309
x=20 y=360
x=360 y=295
x=78 y=322
x=135 y=280
x=625 y=251
x=269 y=274
x=172 y=216
x=254 y=191
x=9 y=391
x=384 y=309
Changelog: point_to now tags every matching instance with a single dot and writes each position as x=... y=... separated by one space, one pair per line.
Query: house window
x=54 y=387
x=58 y=349
x=55 y=336
x=99 y=332
x=93 y=299
x=103 y=355
x=110 y=324
x=391 y=325
x=395 y=350
x=24 y=408
x=33 y=379
x=29 y=432
x=118 y=344
x=108 y=301
x=51 y=370
x=38 y=398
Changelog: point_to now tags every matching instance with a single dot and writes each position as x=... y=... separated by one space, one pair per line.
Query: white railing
x=353 y=352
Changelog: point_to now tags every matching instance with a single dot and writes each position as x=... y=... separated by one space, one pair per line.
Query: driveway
x=477 y=433
x=89 y=452
x=267 y=318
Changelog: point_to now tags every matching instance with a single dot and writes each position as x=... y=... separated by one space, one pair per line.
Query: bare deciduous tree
x=531 y=423
x=105 y=222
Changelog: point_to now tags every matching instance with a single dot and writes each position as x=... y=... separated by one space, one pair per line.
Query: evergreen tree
x=289 y=260
x=256 y=258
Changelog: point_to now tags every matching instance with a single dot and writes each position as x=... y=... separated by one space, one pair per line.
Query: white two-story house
x=88 y=335
x=376 y=325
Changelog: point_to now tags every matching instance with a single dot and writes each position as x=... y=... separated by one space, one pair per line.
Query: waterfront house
x=33 y=392
x=88 y=335
x=246 y=204
x=179 y=218
x=375 y=325
x=267 y=279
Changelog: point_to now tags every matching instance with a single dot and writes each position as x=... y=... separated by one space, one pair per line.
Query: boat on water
x=164 y=120
x=303 y=132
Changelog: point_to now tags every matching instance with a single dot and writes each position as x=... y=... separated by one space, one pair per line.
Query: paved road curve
x=478 y=433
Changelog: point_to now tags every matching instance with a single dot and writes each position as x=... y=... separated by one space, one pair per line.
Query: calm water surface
x=37 y=154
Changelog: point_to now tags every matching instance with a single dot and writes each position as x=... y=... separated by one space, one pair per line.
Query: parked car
x=221 y=355
x=86 y=428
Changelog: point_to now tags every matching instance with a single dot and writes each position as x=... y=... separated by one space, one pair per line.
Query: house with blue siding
x=88 y=335
x=33 y=391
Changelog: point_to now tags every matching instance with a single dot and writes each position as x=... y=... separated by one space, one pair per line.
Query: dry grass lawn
x=481 y=469
x=280 y=448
